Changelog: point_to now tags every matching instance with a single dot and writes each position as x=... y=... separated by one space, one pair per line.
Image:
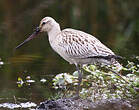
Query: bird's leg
x=79 y=79
x=117 y=74
x=122 y=78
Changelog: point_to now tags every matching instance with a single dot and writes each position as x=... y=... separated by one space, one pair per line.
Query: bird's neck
x=54 y=32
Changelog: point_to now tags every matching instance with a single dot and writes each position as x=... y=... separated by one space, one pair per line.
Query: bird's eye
x=43 y=23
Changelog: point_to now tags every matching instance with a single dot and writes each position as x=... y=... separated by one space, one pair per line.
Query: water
x=26 y=74
x=27 y=105
x=25 y=90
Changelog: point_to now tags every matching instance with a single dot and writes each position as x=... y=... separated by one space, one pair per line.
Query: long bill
x=33 y=35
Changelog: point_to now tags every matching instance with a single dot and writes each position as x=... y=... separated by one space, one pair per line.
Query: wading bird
x=75 y=46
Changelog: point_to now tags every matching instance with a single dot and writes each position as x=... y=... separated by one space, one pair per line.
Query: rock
x=81 y=104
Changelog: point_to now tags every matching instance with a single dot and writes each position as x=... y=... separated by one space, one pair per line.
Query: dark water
x=116 y=24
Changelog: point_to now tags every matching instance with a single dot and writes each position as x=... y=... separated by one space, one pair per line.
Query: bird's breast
x=60 y=50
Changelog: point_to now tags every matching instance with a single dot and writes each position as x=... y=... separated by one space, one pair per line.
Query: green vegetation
x=99 y=83
x=114 y=22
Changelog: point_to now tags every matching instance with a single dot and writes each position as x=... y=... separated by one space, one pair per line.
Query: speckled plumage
x=79 y=47
x=75 y=46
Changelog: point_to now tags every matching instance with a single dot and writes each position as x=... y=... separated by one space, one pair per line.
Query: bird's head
x=46 y=25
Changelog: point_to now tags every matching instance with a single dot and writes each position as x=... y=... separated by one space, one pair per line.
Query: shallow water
x=25 y=89
x=14 y=106
x=26 y=73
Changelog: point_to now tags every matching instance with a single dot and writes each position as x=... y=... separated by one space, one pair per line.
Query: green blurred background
x=113 y=22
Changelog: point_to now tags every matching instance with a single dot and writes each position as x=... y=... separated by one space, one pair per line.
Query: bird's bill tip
x=33 y=35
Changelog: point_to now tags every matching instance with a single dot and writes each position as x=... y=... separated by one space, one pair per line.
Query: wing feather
x=78 y=44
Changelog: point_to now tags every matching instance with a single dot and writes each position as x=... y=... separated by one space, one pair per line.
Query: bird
x=75 y=46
